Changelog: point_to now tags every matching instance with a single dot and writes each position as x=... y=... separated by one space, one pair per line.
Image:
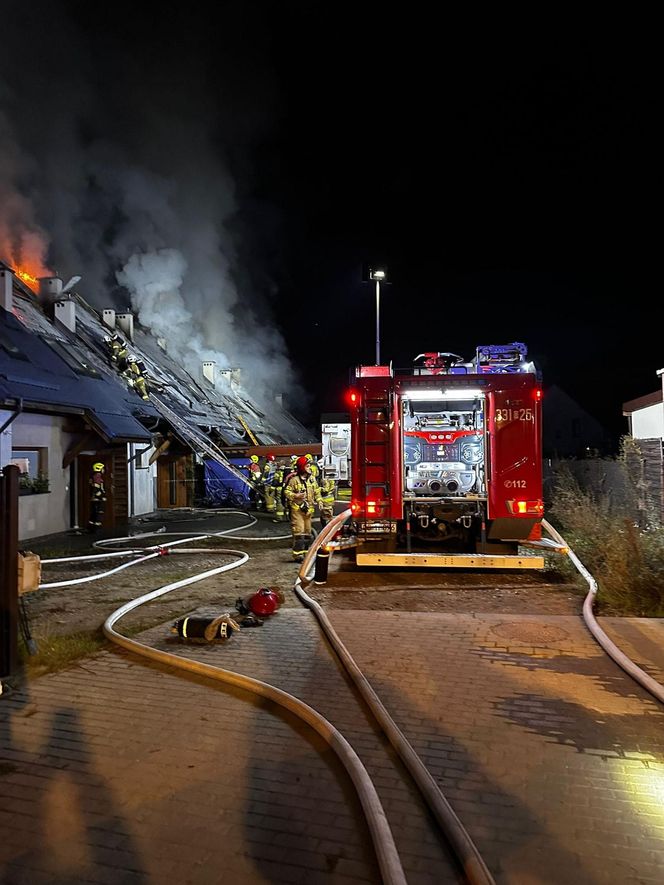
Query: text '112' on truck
x=447 y=461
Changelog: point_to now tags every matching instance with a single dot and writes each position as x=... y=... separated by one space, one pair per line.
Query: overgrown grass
x=618 y=535
x=55 y=652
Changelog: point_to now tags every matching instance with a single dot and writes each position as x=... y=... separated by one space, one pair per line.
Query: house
x=645 y=416
x=64 y=405
x=568 y=430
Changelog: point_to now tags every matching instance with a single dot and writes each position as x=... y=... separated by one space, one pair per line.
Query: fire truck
x=447 y=461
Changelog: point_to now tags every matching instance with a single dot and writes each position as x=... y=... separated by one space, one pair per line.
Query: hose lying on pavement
x=383 y=841
x=469 y=857
x=655 y=688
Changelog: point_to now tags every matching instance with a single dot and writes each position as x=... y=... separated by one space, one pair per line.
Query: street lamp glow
x=377 y=275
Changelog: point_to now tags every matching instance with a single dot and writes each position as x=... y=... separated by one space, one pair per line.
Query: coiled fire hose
x=463 y=846
x=646 y=681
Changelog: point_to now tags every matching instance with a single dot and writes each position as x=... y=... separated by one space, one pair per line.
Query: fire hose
x=383 y=841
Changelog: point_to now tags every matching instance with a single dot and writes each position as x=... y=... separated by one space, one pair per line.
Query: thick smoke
x=114 y=169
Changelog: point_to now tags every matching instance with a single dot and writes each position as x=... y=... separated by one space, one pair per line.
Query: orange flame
x=26 y=277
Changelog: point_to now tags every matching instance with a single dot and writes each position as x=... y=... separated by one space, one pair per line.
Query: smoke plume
x=116 y=144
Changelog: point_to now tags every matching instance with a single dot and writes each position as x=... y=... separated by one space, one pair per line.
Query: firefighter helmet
x=302 y=463
x=131 y=359
x=107 y=339
x=270 y=457
x=309 y=458
x=265 y=602
x=254 y=459
x=98 y=467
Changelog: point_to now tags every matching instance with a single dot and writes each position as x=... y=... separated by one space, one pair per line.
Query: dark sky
x=502 y=168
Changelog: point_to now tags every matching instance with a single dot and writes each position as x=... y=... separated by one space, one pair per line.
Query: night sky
x=503 y=169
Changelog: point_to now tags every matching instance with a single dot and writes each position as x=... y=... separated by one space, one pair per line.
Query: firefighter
x=97 y=496
x=135 y=377
x=118 y=351
x=267 y=482
x=278 y=486
x=313 y=467
x=289 y=470
x=327 y=496
x=255 y=474
x=302 y=493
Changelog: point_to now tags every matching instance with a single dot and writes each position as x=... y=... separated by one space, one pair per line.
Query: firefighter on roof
x=118 y=350
x=302 y=493
x=97 y=496
x=135 y=376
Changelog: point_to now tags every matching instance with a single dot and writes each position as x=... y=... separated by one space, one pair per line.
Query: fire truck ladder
x=198 y=441
x=377 y=409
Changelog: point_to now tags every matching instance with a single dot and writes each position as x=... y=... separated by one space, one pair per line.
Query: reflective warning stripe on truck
x=460 y=560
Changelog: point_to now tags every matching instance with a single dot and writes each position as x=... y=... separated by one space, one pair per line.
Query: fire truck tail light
x=537 y=394
x=530 y=507
x=356 y=507
x=353 y=397
x=372 y=507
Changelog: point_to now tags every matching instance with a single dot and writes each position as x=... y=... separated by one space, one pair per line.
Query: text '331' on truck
x=447 y=461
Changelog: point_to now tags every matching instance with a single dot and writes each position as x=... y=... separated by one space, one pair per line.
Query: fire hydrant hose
x=655 y=688
x=470 y=859
x=387 y=856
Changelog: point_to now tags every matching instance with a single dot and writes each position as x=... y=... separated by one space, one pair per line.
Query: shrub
x=618 y=537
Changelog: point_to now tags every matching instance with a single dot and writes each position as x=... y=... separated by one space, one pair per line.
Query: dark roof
x=49 y=373
x=642 y=402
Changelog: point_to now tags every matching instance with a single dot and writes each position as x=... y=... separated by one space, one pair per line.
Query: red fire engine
x=447 y=461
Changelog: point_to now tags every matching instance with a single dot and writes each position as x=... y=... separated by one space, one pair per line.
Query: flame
x=26 y=277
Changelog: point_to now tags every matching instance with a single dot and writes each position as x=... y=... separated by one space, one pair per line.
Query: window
x=73 y=358
x=33 y=467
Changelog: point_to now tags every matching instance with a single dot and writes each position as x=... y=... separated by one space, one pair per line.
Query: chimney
x=161 y=342
x=126 y=322
x=279 y=400
x=108 y=318
x=49 y=289
x=236 y=377
x=6 y=289
x=209 y=368
x=65 y=313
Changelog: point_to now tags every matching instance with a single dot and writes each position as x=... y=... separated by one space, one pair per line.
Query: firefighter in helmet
x=255 y=474
x=118 y=349
x=302 y=493
x=97 y=496
x=267 y=483
x=313 y=466
x=278 y=486
x=327 y=495
x=135 y=376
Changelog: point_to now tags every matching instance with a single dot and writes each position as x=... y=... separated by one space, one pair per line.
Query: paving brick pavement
x=550 y=754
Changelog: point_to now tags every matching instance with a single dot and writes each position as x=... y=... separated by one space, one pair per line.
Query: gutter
x=12 y=418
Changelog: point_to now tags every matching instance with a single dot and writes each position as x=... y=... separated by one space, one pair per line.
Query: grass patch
x=55 y=652
x=617 y=535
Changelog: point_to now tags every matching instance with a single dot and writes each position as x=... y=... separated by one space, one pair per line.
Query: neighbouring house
x=645 y=417
x=64 y=405
x=568 y=431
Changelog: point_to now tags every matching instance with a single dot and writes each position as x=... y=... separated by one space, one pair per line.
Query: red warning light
x=353 y=397
x=537 y=394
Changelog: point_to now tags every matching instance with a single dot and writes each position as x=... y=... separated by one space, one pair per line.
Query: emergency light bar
x=431 y=395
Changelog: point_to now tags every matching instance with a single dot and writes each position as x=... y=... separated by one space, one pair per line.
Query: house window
x=73 y=358
x=33 y=467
